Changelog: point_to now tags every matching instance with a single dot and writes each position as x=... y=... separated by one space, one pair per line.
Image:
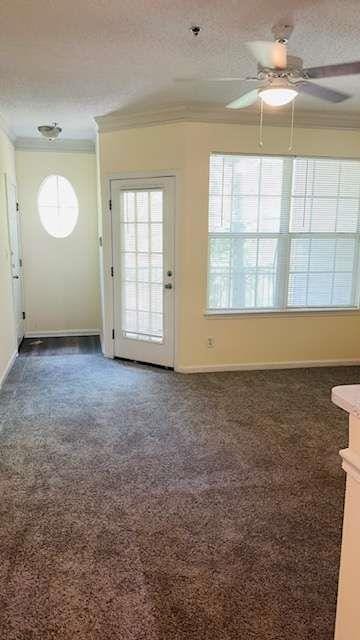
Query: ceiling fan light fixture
x=278 y=96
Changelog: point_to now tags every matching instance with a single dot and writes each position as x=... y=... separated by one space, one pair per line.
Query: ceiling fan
x=281 y=76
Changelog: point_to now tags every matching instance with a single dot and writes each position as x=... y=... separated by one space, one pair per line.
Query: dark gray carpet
x=138 y=504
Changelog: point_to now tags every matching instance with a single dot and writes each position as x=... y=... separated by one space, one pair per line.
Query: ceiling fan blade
x=210 y=79
x=244 y=101
x=324 y=93
x=332 y=70
x=271 y=55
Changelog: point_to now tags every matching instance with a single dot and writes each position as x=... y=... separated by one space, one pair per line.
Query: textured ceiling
x=72 y=60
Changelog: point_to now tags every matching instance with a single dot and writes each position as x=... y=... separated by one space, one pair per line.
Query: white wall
x=239 y=340
x=61 y=275
x=8 y=342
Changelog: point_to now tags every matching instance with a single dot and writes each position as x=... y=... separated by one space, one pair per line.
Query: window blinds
x=283 y=233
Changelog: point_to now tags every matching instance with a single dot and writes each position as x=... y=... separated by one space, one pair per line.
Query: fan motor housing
x=294 y=69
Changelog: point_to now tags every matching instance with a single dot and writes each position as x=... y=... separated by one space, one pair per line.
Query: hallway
x=138 y=503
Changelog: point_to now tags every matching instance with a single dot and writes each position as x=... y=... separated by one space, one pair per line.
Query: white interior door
x=143 y=262
x=16 y=259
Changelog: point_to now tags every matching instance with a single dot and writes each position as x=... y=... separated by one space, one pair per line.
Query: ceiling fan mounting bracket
x=282 y=32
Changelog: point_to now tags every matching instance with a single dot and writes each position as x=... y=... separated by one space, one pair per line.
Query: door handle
x=168 y=285
x=16 y=277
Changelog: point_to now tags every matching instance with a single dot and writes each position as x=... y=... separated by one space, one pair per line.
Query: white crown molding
x=5 y=127
x=61 y=145
x=200 y=113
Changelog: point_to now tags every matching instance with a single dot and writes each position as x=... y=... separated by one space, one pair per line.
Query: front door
x=16 y=259
x=143 y=263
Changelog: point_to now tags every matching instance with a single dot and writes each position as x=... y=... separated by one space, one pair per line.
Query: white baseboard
x=250 y=366
x=8 y=368
x=62 y=334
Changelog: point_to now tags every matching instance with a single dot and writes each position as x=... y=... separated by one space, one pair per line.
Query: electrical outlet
x=210 y=343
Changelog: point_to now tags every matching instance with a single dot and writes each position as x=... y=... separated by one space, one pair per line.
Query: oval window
x=58 y=206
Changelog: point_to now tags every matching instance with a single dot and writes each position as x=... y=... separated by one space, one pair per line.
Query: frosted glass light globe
x=278 y=96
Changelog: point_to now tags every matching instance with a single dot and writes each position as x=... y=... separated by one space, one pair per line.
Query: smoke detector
x=50 y=131
x=195 y=30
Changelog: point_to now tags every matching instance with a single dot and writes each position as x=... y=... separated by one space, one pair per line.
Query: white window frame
x=285 y=238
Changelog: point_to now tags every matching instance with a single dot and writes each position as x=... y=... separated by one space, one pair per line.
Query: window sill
x=281 y=312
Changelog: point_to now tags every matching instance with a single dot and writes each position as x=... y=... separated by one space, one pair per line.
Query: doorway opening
x=16 y=260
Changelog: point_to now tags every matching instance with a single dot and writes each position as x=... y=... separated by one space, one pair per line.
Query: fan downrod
x=282 y=32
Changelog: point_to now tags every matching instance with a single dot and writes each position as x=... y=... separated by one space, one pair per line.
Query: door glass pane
x=142 y=265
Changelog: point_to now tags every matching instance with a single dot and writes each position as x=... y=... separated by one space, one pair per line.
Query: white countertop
x=347 y=397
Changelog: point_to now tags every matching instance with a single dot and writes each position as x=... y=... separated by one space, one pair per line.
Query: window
x=283 y=233
x=58 y=206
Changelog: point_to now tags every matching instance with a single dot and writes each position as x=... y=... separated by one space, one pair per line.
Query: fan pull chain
x=261 y=142
x=292 y=126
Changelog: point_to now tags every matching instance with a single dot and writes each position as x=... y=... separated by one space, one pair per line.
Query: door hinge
x=110 y=205
x=23 y=315
x=100 y=241
x=17 y=207
x=112 y=271
x=20 y=262
x=113 y=334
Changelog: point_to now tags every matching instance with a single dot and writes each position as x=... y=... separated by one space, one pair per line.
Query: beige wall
x=239 y=340
x=8 y=342
x=61 y=275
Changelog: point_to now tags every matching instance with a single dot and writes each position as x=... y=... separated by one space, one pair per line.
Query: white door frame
x=9 y=182
x=108 y=344
x=142 y=350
